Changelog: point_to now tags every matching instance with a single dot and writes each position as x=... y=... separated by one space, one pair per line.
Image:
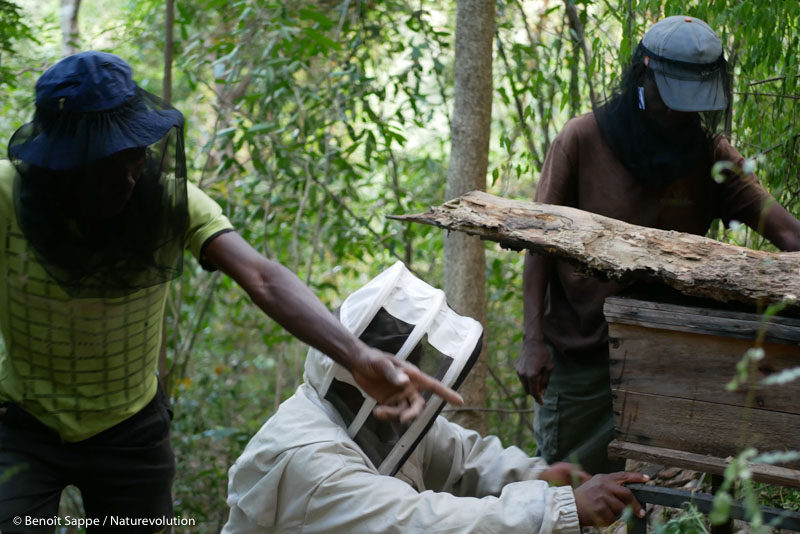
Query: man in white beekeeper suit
x=324 y=463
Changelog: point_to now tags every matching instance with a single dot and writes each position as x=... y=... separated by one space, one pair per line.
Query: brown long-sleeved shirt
x=581 y=171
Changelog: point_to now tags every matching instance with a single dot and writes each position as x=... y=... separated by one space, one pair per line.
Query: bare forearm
x=282 y=296
x=782 y=228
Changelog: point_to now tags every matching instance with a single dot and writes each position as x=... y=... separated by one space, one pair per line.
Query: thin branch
x=515 y=92
x=315 y=240
x=38 y=70
x=733 y=60
x=169 y=41
x=551 y=89
x=775 y=79
x=360 y=220
x=776 y=95
x=298 y=219
x=438 y=79
x=630 y=22
x=344 y=9
x=517 y=408
x=267 y=211
x=398 y=198
x=576 y=26
x=532 y=41
x=791 y=139
x=70 y=37
x=186 y=349
x=525 y=23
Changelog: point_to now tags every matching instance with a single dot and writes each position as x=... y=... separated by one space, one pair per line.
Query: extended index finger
x=426 y=383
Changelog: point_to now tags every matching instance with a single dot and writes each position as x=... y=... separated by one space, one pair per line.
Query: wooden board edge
x=771 y=474
x=627 y=311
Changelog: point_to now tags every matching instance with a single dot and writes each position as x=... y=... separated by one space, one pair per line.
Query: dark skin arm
x=780 y=227
x=534 y=363
x=776 y=224
x=396 y=385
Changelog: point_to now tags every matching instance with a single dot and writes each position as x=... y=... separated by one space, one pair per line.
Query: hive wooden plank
x=700 y=320
x=698 y=366
x=771 y=474
x=701 y=427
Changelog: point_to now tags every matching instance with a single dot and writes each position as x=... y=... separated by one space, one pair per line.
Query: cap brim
x=66 y=152
x=692 y=95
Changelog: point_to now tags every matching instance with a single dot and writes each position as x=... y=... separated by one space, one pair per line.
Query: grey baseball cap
x=686 y=57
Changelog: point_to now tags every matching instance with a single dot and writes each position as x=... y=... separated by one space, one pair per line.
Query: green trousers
x=576 y=421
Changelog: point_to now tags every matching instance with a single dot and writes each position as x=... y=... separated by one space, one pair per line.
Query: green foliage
x=309 y=121
x=13 y=31
x=778 y=496
x=738 y=472
x=24 y=51
x=216 y=420
x=691 y=521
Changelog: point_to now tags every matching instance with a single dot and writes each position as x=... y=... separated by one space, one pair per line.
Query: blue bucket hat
x=87 y=108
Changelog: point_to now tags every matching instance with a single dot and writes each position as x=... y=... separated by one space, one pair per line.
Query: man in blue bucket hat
x=95 y=212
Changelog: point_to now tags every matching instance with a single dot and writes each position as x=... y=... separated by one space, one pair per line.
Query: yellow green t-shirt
x=81 y=366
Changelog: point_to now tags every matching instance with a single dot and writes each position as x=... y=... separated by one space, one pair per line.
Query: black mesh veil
x=378 y=437
x=104 y=215
x=653 y=155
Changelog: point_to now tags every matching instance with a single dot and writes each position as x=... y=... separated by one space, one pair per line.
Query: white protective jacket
x=302 y=473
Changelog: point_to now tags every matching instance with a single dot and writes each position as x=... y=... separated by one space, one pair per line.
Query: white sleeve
x=462 y=462
x=328 y=487
x=356 y=500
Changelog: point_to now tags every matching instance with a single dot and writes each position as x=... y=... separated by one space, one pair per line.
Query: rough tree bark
x=464 y=256
x=69 y=26
x=694 y=265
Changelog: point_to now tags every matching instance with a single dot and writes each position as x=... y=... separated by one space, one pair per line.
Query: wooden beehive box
x=669 y=367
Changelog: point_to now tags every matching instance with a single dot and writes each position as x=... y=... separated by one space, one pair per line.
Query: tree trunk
x=692 y=264
x=464 y=258
x=69 y=27
x=169 y=29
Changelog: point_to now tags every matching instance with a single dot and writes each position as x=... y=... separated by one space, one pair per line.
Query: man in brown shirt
x=645 y=157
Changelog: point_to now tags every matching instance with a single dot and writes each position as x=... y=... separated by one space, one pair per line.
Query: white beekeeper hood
x=400 y=314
